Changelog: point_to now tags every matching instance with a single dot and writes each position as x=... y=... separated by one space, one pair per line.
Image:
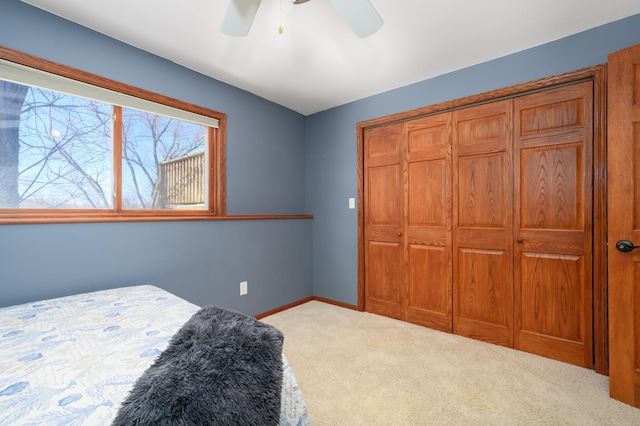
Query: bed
x=73 y=360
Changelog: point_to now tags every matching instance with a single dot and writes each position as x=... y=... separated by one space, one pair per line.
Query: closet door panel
x=429 y=301
x=553 y=229
x=552 y=187
x=482 y=214
x=483 y=289
x=384 y=220
x=552 y=323
x=480 y=191
x=384 y=268
x=553 y=285
x=427 y=197
x=428 y=228
x=384 y=184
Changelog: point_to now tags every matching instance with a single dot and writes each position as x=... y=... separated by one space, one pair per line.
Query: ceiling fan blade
x=239 y=17
x=361 y=16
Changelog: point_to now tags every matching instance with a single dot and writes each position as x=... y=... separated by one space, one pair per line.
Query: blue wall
x=202 y=261
x=331 y=139
x=278 y=162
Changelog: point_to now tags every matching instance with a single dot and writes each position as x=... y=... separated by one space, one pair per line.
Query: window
x=76 y=147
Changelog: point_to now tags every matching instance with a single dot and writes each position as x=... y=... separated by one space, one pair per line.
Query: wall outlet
x=244 y=288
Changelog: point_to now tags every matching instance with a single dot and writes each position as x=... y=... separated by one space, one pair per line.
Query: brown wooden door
x=384 y=220
x=482 y=217
x=553 y=223
x=623 y=158
x=479 y=221
x=428 y=228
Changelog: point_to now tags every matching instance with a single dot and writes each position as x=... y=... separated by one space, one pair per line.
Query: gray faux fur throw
x=221 y=368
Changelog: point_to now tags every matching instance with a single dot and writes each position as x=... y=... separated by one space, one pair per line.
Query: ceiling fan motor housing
x=361 y=16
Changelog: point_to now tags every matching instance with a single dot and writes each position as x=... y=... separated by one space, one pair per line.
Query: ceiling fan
x=361 y=16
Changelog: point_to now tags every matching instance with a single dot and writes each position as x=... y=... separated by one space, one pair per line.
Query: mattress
x=73 y=360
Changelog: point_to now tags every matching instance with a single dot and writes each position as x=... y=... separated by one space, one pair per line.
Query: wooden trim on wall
x=85 y=216
x=598 y=75
x=336 y=303
x=305 y=300
x=360 y=215
x=220 y=164
x=600 y=287
x=585 y=74
x=284 y=308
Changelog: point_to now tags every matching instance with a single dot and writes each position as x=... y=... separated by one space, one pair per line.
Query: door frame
x=598 y=75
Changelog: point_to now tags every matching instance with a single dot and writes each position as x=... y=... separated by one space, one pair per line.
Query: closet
x=478 y=221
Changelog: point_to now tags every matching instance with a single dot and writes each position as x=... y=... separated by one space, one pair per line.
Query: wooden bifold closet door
x=478 y=222
x=482 y=214
x=428 y=227
x=407 y=176
x=553 y=223
x=384 y=166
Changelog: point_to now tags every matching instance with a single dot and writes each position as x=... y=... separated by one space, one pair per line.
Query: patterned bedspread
x=72 y=360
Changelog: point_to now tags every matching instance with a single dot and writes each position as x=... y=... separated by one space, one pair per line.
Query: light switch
x=352 y=203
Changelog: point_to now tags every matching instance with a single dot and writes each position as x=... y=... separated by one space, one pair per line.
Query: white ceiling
x=318 y=62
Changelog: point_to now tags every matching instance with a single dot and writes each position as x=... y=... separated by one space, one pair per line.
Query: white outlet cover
x=352 y=203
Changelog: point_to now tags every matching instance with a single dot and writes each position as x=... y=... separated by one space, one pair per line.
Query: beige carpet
x=356 y=368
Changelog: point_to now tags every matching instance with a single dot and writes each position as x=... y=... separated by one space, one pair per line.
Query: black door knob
x=625 y=246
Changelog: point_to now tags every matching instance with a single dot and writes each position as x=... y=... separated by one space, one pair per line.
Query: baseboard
x=335 y=302
x=305 y=300
x=284 y=308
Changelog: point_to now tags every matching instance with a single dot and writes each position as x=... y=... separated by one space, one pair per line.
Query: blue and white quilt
x=73 y=360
